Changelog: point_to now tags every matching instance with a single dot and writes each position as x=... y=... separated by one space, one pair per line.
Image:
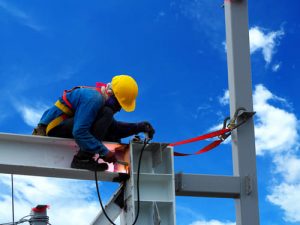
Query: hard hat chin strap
x=106 y=89
x=109 y=90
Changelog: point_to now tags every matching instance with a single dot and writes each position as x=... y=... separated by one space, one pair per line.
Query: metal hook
x=240 y=118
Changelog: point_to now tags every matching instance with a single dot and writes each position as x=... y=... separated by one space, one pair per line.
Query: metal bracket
x=178 y=182
x=248 y=185
x=245 y=115
x=240 y=117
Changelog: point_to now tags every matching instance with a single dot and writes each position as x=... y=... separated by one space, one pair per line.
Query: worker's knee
x=78 y=133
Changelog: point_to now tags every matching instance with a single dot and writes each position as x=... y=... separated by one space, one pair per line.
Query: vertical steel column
x=156 y=186
x=240 y=89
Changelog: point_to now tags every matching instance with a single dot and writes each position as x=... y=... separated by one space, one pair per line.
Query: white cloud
x=289 y=167
x=276 y=132
x=285 y=194
x=275 y=129
x=211 y=222
x=31 y=115
x=22 y=17
x=287 y=197
x=276 y=67
x=264 y=42
x=224 y=100
x=71 y=201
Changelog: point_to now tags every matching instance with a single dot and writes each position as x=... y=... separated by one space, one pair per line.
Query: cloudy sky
x=176 y=52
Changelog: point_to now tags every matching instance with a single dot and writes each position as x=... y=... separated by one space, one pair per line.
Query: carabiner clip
x=239 y=118
x=223 y=137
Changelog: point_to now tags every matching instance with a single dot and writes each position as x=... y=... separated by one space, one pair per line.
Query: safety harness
x=67 y=108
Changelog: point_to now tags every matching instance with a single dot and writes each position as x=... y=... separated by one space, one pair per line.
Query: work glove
x=146 y=127
x=110 y=157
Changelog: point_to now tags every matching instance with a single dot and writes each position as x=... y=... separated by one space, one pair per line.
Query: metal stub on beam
x=248 y=185
x=240 y=117
x=246 y=115
x=178 y=182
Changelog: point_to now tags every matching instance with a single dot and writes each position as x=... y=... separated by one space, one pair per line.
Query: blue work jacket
x=86 y=103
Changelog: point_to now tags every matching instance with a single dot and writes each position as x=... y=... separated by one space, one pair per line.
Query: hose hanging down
x=146 y=141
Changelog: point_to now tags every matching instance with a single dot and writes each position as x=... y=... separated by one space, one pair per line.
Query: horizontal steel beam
x=207 y=186
x=49 y=157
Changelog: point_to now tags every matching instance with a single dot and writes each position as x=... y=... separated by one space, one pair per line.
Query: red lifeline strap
x=200 y=138
x=203 y=150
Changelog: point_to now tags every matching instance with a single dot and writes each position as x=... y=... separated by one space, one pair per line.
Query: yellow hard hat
x=125 y=89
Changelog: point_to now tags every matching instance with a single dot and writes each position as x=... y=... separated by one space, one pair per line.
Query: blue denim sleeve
x=87 y=104
x=49 y=115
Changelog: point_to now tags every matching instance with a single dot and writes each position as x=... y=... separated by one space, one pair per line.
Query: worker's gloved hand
x=146 y=127
x=110 y=157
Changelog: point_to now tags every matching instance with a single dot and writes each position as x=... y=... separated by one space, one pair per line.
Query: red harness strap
x=64 y=97
x=200 y=138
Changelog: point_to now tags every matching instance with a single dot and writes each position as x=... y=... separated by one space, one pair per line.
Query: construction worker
x=87 y=115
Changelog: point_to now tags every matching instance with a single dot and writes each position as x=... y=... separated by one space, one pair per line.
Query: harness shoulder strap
x=64 y=97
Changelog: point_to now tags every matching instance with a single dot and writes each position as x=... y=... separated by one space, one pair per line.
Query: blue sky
x=176 y=52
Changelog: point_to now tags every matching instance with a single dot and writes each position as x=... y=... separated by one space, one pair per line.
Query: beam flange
x=48 y=156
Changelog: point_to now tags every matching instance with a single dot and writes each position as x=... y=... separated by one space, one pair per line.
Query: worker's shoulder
x=86 y=91
x=89 y=93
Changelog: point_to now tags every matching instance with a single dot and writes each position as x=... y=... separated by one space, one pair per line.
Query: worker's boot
x=40 y=130
x=85 y=160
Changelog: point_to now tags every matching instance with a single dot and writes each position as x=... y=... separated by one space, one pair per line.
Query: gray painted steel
x=157 y=191
x=112 y=209
x=43 y=156
x=207 y=186
x=240 y=89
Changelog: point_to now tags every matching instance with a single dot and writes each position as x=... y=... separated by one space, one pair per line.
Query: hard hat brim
x=128 y=108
